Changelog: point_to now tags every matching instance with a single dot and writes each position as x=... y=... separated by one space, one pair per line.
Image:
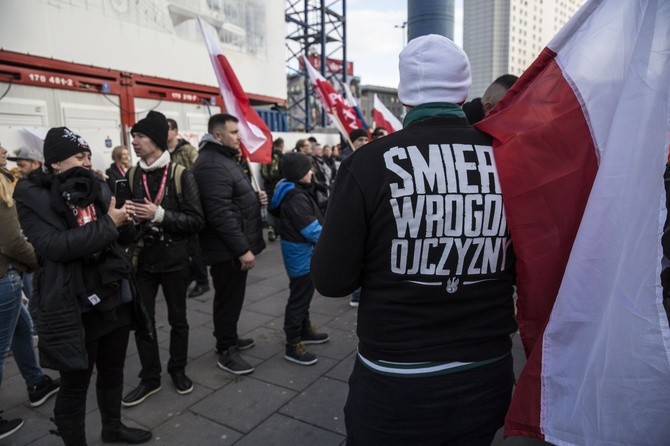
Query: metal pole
x=322 y=38
x=308 y=124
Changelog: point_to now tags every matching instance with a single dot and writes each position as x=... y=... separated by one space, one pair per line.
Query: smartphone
x=121 y=192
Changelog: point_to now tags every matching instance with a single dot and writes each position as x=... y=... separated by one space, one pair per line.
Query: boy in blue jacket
x=294 y=202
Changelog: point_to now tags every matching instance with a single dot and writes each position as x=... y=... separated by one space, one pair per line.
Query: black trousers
x=230 y=284
x=108 y=354
x=296 y=315
x=464 y=408
x=197 y=265
x=174 y=285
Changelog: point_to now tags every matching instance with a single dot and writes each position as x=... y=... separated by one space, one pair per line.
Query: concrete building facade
x=505 y=36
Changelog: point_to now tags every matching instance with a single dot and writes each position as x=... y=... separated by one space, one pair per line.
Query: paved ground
x=281 y=403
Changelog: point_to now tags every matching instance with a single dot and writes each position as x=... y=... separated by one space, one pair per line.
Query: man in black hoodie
x=416 y=220
x=233 y=233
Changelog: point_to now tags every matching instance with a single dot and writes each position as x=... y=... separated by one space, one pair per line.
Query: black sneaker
x=298 y=353
x=182 y=383
x=245 y=343
x=8 y=427
x=311 y=336
x=43 y=391
x=139 y=394
x=231 y=361
x=198 y=290
x=242 y=344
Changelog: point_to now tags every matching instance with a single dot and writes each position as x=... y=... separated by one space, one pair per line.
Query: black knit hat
x=155 y=126
x=357 y=133
x=62 y=143
x=295 y=165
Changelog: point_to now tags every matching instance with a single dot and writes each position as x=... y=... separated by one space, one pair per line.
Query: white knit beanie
x=433 y=69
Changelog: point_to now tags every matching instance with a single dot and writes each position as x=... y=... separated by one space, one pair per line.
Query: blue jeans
x=28 y=285
x=16 y=330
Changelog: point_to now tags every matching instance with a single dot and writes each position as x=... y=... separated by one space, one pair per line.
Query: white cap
x=433 y=69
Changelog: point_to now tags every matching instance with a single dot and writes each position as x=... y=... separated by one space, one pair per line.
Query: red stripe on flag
x=263 y=152
x=547 y=163
x=379 y=120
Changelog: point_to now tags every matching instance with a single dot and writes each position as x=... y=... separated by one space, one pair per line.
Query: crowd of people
x=378 y=219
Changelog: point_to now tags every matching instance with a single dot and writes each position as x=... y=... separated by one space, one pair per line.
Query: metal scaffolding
x=316 y=28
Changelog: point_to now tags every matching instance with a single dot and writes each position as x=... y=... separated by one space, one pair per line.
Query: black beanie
x=357 y=133
x=155 y=126
x=294 y=166
x=62 y=143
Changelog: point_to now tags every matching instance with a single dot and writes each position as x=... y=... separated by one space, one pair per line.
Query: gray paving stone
x=320 y=404
x=196 y=318
x=189 y=428
x=244 y=403
x=345 y=321
x=281 y=372
x=343 y=369
x=250 y=320
x=264 y=289
x=254 y=277
x=200 y=342
x=341 y=344
x=279 y=430
x=202 y=303
x=268 y=342
x=331 y=306
x=14 y=391
x=272 y=305
x=165 y=404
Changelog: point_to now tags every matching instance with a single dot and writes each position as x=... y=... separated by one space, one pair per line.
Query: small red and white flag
x=383 y=117
x=255 y=136
x=580 y=145
x=342 y=115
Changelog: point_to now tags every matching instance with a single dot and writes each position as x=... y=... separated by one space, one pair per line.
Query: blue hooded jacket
x=300 y=225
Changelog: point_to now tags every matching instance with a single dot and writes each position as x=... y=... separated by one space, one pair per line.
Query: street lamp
x=404 y=28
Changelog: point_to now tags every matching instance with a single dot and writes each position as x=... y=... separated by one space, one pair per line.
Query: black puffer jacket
x=60 y=285
x=183 y=217
x=233 y=222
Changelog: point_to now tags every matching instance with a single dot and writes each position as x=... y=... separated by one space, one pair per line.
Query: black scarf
x=77 y=187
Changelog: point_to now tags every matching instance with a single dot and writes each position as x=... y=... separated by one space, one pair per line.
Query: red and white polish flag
x=383 y=117
x=580 y=145
x=255 y=136
x=342 y=115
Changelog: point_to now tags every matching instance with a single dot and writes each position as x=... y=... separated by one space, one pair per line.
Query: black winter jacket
x=233 y=222
x=183 y=217
x=60 y=278
x=113 y=174
x=416 y=220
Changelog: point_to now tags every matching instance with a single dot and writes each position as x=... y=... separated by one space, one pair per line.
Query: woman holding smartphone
x=82 y=299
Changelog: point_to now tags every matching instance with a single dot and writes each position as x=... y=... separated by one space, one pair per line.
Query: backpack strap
x=176 y=171
x=131 y=177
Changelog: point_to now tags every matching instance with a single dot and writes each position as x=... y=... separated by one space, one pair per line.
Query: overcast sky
x=375 y=38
